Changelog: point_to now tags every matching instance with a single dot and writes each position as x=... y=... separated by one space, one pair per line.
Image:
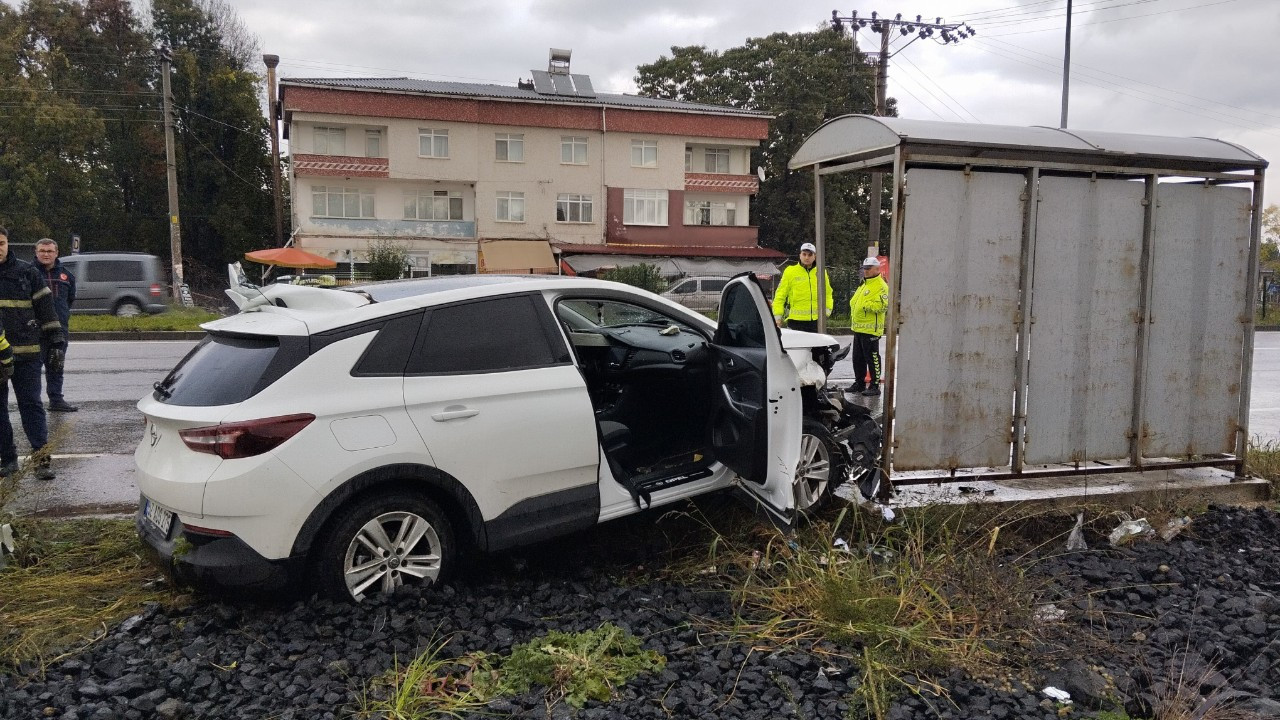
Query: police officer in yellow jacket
x=796 y=299
x=867 y=309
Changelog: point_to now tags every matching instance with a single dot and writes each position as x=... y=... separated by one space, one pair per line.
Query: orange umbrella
x=290 y=257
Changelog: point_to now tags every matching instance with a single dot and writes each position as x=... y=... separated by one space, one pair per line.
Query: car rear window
x=223 y=370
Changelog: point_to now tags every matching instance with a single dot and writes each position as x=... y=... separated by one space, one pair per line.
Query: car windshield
x=611 y=313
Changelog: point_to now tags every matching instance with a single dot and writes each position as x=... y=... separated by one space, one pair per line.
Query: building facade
x=472 y=177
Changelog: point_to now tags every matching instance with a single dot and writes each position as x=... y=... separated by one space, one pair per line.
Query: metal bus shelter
x=1061 y=301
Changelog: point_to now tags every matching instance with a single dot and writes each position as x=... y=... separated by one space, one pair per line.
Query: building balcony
x=340 y=166
x=721 y=183
x=444 y=229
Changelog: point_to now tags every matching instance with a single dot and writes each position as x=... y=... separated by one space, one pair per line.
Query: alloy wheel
x=389 y=550
x=813 y=473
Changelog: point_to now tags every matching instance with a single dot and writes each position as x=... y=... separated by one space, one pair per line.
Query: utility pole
x=947 y=33
x=272 y=61
x=175 y=231
x=1066 y=70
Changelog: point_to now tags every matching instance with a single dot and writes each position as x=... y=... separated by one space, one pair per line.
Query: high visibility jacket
x=868 y=306
x=798 y=291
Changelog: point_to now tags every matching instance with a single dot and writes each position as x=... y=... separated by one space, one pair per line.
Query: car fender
x=445 y=489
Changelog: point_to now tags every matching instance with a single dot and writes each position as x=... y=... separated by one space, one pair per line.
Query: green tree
x=647 y=277
x=802 y=79
x=387 y=259
x=1270 y=251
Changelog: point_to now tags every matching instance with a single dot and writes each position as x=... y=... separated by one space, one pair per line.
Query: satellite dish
x=760 y=172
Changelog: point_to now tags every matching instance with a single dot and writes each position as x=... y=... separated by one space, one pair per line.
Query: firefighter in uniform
x=27 y=315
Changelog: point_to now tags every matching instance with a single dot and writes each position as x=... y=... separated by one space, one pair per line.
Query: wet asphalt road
x=94 y=456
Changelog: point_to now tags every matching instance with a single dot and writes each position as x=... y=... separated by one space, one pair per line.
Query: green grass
x=177 y=318
x=68 y=581
x=574 y=667
x=1262 y=459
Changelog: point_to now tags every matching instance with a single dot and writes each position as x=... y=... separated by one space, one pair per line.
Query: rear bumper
x=214 y=563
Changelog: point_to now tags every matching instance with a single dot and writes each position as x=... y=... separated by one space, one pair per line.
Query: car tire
x=344 y=565
x=822 y=468
x=127 y=308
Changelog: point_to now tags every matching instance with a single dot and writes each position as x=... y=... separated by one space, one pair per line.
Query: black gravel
x=1205 y=606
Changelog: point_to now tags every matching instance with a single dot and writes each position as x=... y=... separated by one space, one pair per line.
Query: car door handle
x=454 y=412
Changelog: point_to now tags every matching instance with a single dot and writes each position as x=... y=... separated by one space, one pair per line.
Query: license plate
x=158 y=516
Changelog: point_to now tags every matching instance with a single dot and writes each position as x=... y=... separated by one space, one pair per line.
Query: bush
x=645 y=277
x=387 y=259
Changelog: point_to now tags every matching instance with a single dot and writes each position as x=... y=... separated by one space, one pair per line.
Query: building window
x=510 y=147
x=644 y=207
x=341 y=202
x=688 y=159
x=710 y=213
x=510 y=207
x=716 y=160
x=330 y=141
x=433 y=205
x=574 y=208
x=644 y=153
x=433 y=143
x=373 y=143
x=573 y=150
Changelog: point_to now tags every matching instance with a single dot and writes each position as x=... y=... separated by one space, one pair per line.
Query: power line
x=1103 y=22
x=943 y=90
x=224 y=165
x=1018 y=20
x=206 y=117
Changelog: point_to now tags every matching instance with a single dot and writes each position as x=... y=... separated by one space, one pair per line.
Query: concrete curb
x=138 y=335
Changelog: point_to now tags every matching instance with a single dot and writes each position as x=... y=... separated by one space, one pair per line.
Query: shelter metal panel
x=1200 y=251
x=1083 y=341
x=958 y=321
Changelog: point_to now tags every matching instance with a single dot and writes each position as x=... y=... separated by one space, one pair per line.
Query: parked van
x=120 y=283
x=697 y=293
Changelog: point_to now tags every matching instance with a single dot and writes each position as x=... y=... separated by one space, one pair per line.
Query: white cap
x=871 y=262
x=809 y=247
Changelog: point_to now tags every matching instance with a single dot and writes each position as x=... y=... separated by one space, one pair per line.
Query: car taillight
x=245 y=439
x=155 y=289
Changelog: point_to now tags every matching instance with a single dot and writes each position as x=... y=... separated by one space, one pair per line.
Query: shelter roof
x=852 y=138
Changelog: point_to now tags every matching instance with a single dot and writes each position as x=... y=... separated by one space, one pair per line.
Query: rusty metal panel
x=1085 y=297
x=953 y=386
x=1192 y=386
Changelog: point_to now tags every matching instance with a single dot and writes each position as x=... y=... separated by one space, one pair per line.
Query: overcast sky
x=1172 y=67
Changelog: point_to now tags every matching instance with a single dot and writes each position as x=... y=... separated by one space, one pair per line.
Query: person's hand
x=56 y=359
x=777 y=322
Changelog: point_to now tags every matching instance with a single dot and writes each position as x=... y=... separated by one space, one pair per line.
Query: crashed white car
x=356 y=438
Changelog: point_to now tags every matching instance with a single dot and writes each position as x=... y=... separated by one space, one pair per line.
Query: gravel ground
x=1204 y=606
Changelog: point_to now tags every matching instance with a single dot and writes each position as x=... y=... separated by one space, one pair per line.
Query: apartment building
x=543 y=176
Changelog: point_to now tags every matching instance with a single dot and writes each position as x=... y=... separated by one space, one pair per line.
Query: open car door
x=756 y=420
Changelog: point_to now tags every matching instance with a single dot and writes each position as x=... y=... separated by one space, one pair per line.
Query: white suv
x=356 y=438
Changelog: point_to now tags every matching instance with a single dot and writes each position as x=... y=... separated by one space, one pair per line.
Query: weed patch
x=574 y=667
x=1262 y=459
x=177 y=318
x=69 y=579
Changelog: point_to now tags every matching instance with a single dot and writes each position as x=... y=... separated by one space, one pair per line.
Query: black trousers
x=866 y=358
x=805 y=325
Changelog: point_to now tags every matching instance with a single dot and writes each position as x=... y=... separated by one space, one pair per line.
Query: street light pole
x=1066 y=71
x=271 y=62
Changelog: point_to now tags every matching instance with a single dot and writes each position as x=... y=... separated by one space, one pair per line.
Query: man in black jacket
x=63 y=286
x=27 y=315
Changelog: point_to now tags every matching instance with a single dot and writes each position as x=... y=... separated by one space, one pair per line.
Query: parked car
x=357 y=438
x=697 y=293
x=119 y=283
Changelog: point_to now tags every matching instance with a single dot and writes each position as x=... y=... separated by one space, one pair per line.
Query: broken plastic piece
x=840 y=544
x=6 y=544
x=1173 y=527
x=886 y=512
x=1061 y=696
x=1131 y=529
x=1049 y=613
x=1075 y=541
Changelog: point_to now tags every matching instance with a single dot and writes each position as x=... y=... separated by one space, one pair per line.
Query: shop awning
x=517 y=256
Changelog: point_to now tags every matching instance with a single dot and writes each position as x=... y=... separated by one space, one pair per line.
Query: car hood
x=793 y=339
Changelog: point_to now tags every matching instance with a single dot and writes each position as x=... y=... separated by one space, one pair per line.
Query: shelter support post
x=819 y=229
x=1143 y=320
x=1026 y=283
x=891 y=319
x=1251 y=295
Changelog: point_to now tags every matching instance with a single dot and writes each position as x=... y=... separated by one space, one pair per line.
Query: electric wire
x=944 y=91
x=1103 y=22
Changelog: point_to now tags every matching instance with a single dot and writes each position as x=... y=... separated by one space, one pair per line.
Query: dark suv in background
x=119 y=283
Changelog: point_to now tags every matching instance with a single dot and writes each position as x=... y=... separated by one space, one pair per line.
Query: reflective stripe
x=17 y=303
x=26 y=348
x=41 y=293
x=51 y=325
